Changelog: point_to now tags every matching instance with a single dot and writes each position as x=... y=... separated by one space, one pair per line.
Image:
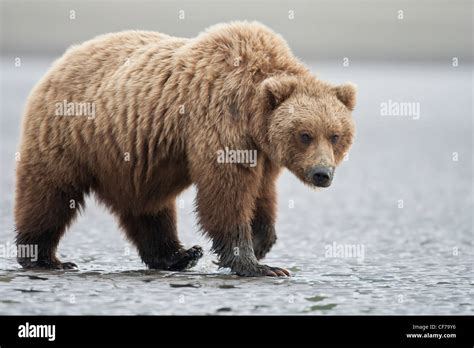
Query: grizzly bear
x=137 y=117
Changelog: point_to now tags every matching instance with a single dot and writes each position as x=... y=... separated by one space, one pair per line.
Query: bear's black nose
x=322 y=176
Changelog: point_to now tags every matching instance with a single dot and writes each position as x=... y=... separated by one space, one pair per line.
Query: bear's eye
x=334 y=139
x=305 y=138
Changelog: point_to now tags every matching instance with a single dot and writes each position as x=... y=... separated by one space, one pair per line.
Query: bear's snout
x=321 y=176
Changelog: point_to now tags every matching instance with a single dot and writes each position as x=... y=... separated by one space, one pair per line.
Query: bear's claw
x=187 y=259
x=275 y=271
x=53 y=263
x=264 y=270
x=68 y=265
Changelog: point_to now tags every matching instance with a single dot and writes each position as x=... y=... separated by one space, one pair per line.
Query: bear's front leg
x=263 y=221
x=225 y=205
x=263 y=234
x=156 y=239
x=233 y=245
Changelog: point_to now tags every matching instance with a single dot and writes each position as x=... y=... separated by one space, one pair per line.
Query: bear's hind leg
x=42 y=214
x=156 y=239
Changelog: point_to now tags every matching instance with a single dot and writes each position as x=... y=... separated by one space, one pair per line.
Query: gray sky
x=321 y=29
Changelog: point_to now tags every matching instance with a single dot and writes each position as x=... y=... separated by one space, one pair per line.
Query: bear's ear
x=277 y=89
x=347 y=94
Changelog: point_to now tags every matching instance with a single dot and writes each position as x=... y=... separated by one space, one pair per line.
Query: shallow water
x=417 y=259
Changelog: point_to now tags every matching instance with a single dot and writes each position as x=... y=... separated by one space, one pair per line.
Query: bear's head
x=308 y=125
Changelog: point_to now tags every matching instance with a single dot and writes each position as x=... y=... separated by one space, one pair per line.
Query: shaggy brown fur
x=164 y=107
